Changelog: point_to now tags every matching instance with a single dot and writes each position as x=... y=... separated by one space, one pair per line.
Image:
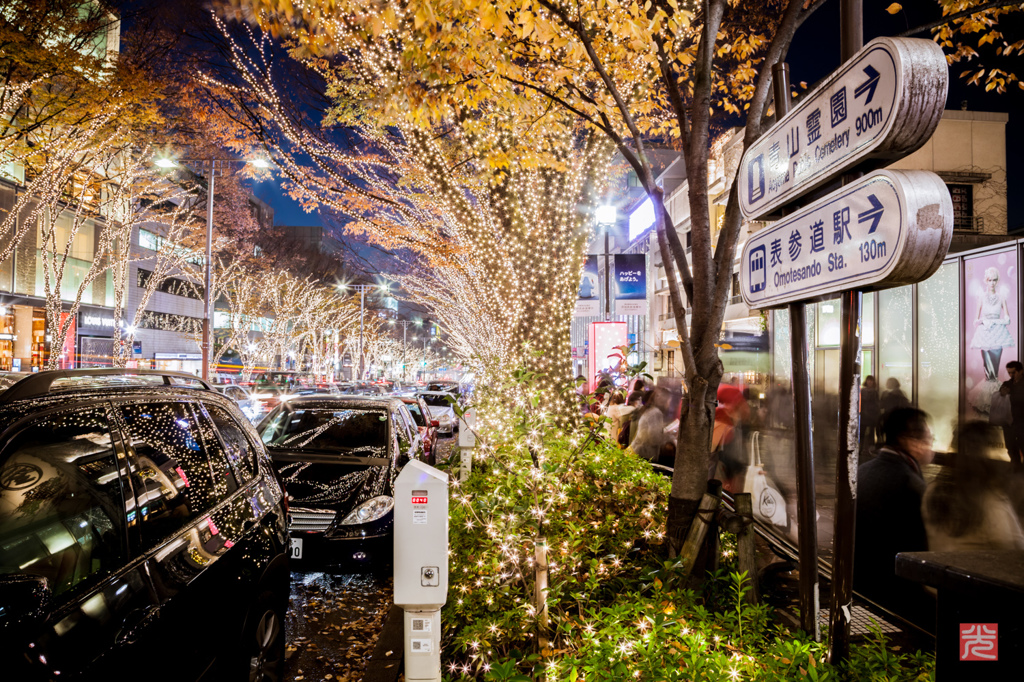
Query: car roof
x=58 y=388
x=329 y=401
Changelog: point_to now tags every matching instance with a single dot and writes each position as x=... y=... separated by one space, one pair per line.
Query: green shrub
x=617 y=610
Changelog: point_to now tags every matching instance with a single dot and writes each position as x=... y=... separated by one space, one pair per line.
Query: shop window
x=829 y=323
x=895 y=349
x=938 y=359
x=61 y=508
x=990 y=322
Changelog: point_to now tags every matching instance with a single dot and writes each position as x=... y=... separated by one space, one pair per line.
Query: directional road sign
x=887 y=229
x=879 y=106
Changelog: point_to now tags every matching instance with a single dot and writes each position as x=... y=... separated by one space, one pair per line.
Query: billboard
x=588 y=301
x=990 y=321
x=605 y=357
x=630 y=284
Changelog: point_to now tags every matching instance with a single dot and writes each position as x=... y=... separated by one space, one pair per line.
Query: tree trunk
x=540 y=589
x=689 y=481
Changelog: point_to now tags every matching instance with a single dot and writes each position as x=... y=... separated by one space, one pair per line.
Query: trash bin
x=980 y=631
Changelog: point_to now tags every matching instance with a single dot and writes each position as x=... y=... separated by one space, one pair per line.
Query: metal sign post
x=806 y=503
x=888 y=229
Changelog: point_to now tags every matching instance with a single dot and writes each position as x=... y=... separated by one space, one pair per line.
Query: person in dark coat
x=890 y=489
x=1014 y=433
x=893 y=398
x=870 y=414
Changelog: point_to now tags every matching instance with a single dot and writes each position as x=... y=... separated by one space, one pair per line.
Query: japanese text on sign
x=852 y=237
x=863 y=112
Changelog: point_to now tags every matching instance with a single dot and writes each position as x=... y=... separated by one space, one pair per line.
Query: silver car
x=440 y=405
x=250 y=406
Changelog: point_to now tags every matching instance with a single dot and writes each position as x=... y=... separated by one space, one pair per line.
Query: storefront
x=190 y=363
x=95 y=337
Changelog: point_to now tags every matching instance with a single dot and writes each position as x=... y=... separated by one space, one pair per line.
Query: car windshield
x=363 y=432
x=440 y=400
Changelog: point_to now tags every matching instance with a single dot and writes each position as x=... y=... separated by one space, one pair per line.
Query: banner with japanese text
x=630 y=284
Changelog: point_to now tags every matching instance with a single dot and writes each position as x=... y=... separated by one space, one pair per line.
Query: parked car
x=338 y=458
x=141 y=529
x=425 y=423
x=440 y=405
x=251 y=407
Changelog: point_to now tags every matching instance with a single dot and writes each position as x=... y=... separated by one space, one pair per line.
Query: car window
x=352 y=431
x=437 y=400
x=61 y=508
x=176 y=481
x=224 y=466
x=237 y=449
x=401 y=428
x=417 y=415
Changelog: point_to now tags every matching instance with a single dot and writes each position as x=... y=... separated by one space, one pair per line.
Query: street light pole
x=207 y=304
x=362 y=289
x=168 y=163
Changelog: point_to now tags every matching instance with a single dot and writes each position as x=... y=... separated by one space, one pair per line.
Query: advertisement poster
x=630 y=284
x=990 y=324
x=588 y=302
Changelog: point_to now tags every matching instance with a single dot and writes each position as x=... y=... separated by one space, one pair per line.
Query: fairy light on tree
x=497 y=210
x=635 y=73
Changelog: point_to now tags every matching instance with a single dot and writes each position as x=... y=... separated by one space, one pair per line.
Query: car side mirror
x=24 y=599
x=435 y=423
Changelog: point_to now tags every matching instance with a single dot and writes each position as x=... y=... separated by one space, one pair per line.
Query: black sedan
x=338 y=458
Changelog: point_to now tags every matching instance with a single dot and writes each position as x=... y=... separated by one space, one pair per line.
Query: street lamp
x=606 y=216
x=168 y=163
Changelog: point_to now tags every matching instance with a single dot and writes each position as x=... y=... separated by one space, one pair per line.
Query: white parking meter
x=467 y=442
x=421 y=564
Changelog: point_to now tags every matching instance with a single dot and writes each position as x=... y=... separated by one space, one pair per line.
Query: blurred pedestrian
x=965 y=508
x=614 y=413
x=890 y=489
x=650 y=426
x=870 y=413
x=893 y=398
x=627 y=427
x=1014 y=389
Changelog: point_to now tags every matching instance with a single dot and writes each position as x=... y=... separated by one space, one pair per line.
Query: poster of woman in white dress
x=991 y=326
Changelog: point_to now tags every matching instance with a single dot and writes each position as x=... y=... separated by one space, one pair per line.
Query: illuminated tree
x=496 y=211
x=633 y=73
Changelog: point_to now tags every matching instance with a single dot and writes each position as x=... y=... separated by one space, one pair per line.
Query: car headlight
x=445 y=418
x=370 y=510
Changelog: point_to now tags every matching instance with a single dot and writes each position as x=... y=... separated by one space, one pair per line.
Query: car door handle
x=135 y=623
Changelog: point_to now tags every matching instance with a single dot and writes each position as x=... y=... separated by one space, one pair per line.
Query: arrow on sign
x=874 y=214
x=869 y=85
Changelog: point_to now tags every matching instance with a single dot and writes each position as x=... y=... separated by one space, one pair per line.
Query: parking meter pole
x=807 y=529
x=421 y=565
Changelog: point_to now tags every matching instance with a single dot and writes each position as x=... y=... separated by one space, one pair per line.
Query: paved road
x=334 y=619
x=333 y=624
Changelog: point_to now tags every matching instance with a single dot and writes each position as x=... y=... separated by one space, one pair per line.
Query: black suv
x=142 y=532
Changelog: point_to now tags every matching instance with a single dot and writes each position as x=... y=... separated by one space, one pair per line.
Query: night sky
x=814 y=54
